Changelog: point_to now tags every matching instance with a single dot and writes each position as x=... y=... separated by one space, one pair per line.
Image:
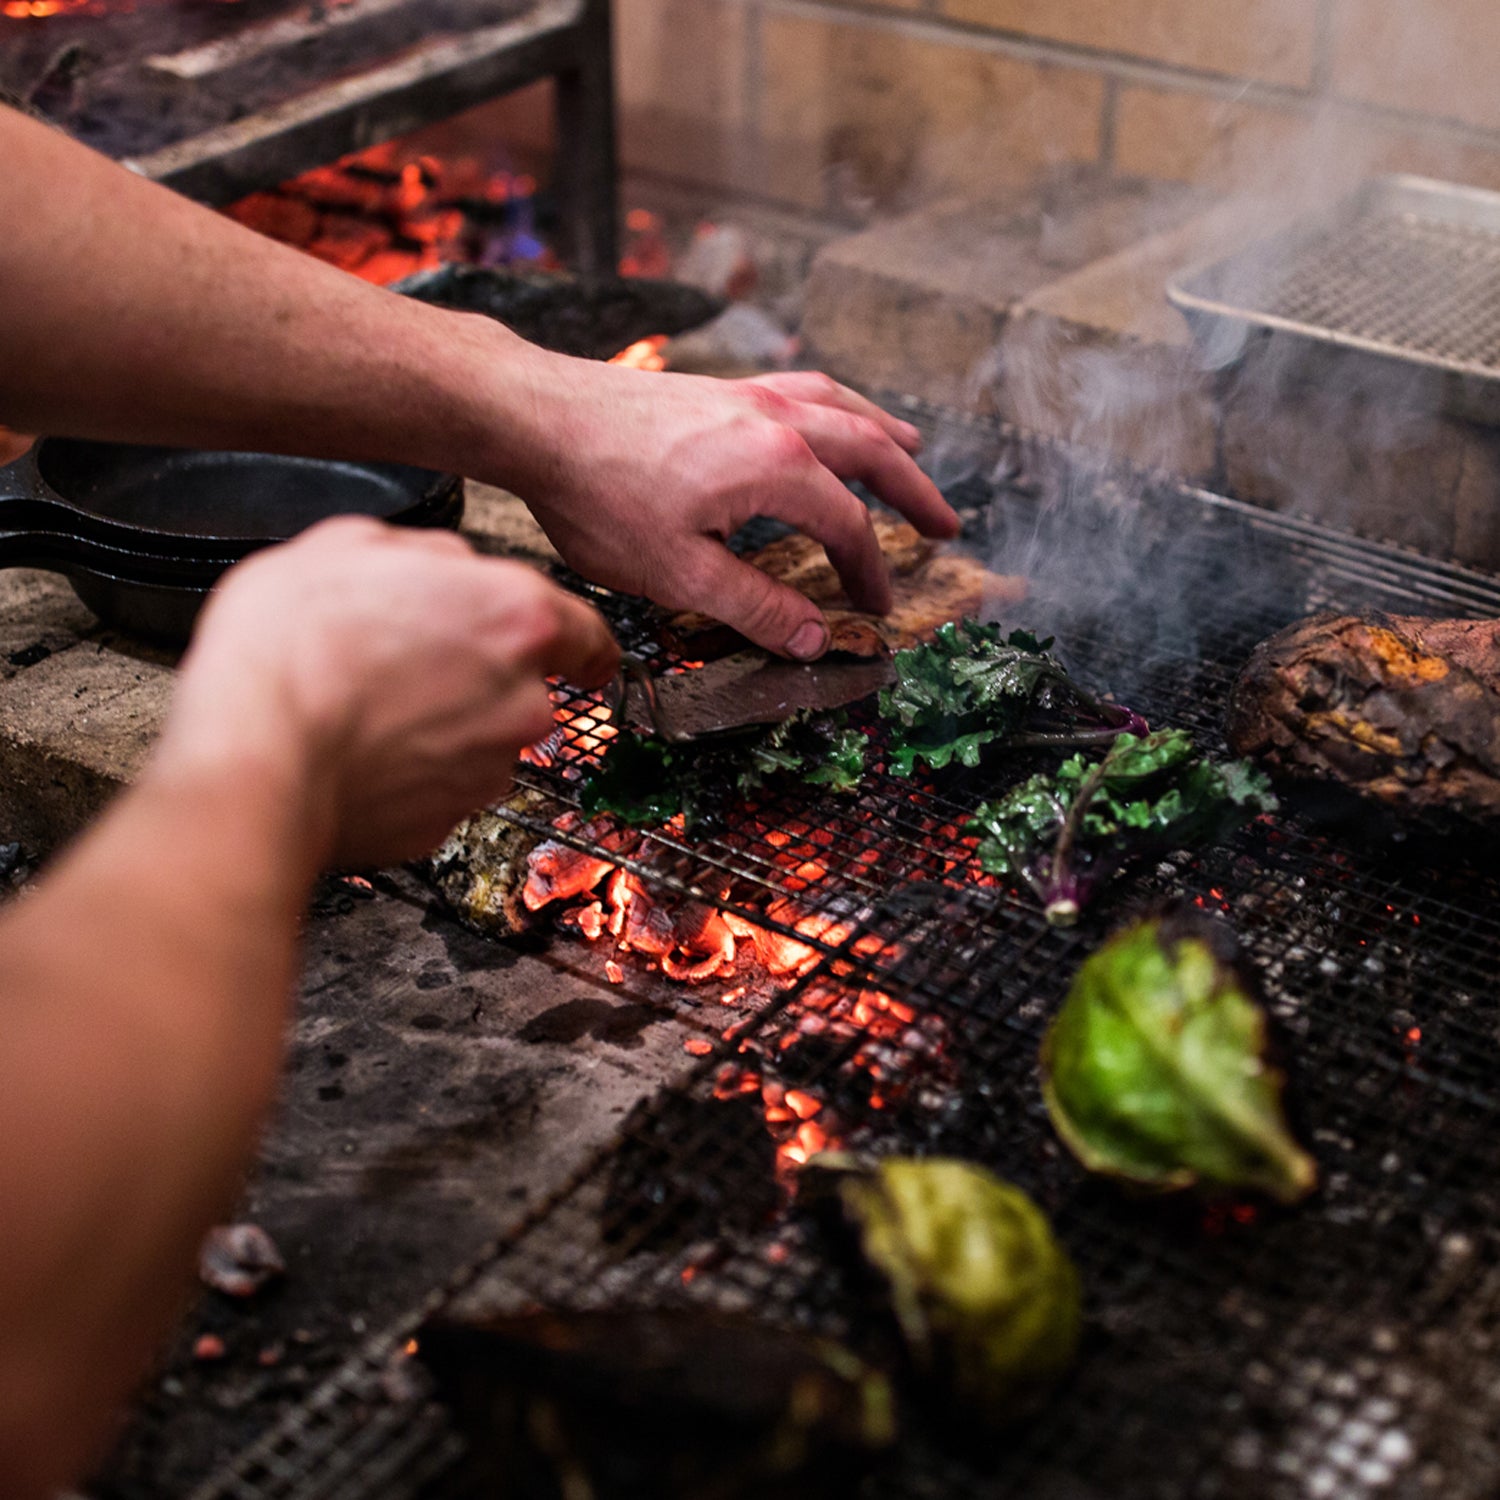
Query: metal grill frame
x=1217 y=1370
x=1407 y=270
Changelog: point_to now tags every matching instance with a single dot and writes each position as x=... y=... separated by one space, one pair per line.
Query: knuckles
x=785 y=449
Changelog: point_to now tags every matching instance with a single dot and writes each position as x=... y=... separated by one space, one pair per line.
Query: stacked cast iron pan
x=144 y=533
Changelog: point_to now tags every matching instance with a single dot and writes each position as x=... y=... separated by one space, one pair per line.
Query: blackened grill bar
x=1344 y=1348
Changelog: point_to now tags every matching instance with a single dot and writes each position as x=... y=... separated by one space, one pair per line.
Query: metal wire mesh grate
x=1346 y=1348
x=1408 y=268
x=1407 y=283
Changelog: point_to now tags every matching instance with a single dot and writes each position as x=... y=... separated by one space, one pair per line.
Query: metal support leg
x=588 y=192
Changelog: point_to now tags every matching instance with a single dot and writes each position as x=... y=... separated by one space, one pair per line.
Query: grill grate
x=1345 y=1348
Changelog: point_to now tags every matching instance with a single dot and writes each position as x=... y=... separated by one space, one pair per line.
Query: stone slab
x=918 y=305
x=438 y=1087
x=39 y=615
x=1100 y=357
x=74 y=728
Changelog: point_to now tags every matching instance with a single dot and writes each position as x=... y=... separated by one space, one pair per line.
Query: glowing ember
x=697 y=1047
x=384 y=213
x=644 y=354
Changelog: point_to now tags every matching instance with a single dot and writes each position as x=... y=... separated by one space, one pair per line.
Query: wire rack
x=1407 y=268
x=1346 y=1348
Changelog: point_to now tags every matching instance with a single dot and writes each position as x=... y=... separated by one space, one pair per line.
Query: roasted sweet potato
x=1400 y=709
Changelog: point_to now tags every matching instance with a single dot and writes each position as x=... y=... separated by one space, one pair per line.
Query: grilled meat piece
x=930 y=587
x=1398 y=708
x=671 y=1403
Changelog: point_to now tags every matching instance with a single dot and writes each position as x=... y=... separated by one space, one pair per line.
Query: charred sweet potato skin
x=1400 y=709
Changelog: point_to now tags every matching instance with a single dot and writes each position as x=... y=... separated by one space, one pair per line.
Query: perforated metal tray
x=1407 y=270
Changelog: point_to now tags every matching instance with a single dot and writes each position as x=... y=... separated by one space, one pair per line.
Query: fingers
x=581 y=648
x=855 y=448
x=857 y=440
x=769 y=613
x=823 y=508
x=818 y=389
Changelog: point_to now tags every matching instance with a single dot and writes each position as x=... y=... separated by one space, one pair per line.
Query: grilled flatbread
x=930 y=587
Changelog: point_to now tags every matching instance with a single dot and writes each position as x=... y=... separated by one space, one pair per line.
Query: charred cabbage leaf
x=973 y=686
x=987 y=1300
x=1066 y=832
x=645 y=781
x=1155 y=1069
x=676 y=1404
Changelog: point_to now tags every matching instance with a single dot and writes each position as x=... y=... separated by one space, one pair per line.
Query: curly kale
x=972 y=686
x=646 y=781
x=1068 y=831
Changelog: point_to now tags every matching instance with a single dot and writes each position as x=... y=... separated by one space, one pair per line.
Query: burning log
x=560 y=872
x=481 y=869
x=1402 y=710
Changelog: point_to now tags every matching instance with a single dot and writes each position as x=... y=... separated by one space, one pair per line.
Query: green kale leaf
x=972 y=686
x=986 y=1298
x=645 y=781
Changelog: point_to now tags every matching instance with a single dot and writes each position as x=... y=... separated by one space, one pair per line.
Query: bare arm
x=127 y=312
x=144 y=985
x=130 y=313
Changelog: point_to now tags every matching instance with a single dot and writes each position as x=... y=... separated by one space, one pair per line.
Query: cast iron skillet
x=143 y=534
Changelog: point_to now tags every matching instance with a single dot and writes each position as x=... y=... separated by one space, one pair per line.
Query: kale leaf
x=645 y=781
x=1066 y=832
x=972 y=686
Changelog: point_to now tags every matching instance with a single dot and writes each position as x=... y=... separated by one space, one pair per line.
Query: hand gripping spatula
x=745 y=691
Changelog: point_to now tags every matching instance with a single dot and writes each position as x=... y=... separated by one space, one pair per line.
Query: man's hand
x=404 y=672
x=347 y=697
x=638 y=477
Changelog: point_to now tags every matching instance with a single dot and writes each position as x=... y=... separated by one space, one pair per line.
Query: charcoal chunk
x=690 y=1169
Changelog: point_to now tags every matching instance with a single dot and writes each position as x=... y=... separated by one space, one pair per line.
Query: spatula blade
x=751 y=689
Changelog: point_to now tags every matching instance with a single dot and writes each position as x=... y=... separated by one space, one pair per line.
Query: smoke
x=1103 y=364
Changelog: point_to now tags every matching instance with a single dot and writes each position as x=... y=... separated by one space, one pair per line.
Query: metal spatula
x=745 y=691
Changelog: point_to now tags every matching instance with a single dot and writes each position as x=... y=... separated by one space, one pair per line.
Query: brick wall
x=852 y=109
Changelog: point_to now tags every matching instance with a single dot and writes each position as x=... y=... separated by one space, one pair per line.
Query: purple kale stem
x=1118 y=718
x=1065 y=891
x=1125 y=720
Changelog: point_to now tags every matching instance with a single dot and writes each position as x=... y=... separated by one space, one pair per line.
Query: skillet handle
x=22 y=543
x=20 y=484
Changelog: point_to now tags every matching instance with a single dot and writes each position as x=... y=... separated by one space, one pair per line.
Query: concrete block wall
x=856 y=110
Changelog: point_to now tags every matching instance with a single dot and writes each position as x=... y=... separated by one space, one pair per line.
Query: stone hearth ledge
x=994 y=309
x=80 y=706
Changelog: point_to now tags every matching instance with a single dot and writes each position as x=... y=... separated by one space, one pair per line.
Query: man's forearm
x=144 y=989
x=127 y=312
